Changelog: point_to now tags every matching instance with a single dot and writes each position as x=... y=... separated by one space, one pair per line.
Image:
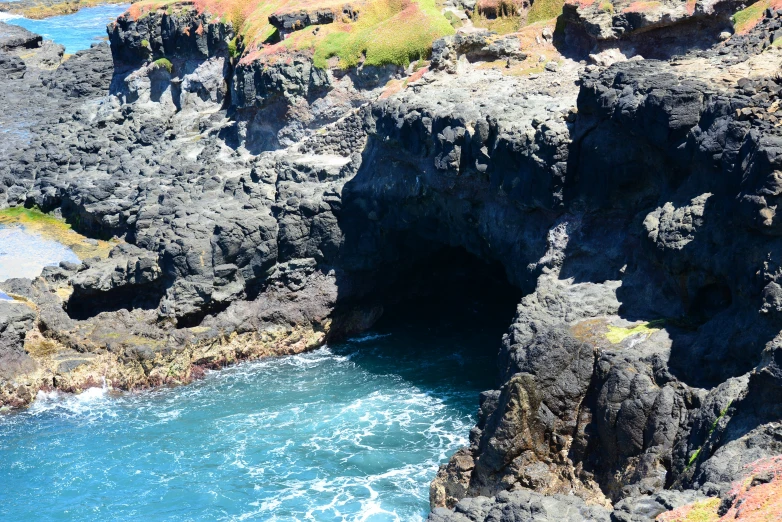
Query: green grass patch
x=499 y=25
x=703 y=511
x=233 y=48
x=544 y=10
x=748 y=18
x=617 y=334
x=607 y=7
x=454 y=20
x=164 y=63
x=387 y=32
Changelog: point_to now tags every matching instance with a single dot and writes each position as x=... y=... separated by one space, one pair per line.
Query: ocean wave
x=92 y=402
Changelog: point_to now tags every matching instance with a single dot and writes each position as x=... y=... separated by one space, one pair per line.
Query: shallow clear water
x=75 y=31
x=24 y=254
x=355 y=431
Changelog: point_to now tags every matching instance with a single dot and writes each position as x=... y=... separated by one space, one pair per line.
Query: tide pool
x=353 y=432
x=24 y=254
x=75 y=31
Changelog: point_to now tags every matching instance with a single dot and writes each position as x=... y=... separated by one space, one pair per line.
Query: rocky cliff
x=263 y=206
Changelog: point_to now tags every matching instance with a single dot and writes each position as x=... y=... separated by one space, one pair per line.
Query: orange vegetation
x=640 y=7
x=756 y=498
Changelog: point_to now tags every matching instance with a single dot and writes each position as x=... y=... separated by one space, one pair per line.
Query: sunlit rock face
x=264 y=208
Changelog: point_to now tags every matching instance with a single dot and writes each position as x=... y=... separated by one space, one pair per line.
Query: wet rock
x=521 y=505
x=16 y=318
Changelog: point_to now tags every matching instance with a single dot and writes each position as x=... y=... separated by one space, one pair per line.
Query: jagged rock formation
x=265 y=208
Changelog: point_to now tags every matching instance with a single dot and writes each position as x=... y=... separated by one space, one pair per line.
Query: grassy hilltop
x=385 y=31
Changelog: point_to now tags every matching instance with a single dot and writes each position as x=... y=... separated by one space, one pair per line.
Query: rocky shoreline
x=267 y=206
x=39 y=9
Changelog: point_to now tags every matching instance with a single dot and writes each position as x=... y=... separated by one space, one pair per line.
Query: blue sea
x=353 y=431
x=76 y=31
x=349 y=432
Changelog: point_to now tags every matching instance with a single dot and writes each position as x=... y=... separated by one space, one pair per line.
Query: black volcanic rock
x=11 y=67
x=15 y=37
x=266 y=208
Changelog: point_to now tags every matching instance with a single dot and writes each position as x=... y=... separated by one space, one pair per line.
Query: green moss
x=704 y=511
x=617 y=334
x=233 y=48
x=51 y=227
x=607 y=7
x=145 y=43
x=713 y=427
x=454 y=20
x=499 y=25
x=30 y=216
x=693 y=458
x=746 y=19
x=164 y=63
x=544 y=10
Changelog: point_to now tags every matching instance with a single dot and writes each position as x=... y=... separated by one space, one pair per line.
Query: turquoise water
x=354 y=432
x=23 y=254
x=76 y=31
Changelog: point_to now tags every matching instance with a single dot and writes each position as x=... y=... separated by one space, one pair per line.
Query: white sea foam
x=90 y=402
x=367 y=337
x=8 y=16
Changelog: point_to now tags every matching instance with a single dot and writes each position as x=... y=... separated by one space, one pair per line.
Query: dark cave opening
x=710 y=300
x=450 y=294
x=82 y=306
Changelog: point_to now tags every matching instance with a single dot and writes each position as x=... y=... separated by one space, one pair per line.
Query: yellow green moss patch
x=701 y=511
x=713 y=427
x=164 y=63
x=748 y=18
x=40 y=11
x=544 y=10
x=499 y=25
x=617 y=334
x=386 y=31
x=54 y=228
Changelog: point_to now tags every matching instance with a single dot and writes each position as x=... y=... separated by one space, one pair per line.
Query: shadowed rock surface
x=265 y=209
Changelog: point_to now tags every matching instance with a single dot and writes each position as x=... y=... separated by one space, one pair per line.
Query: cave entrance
x=442 y=325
